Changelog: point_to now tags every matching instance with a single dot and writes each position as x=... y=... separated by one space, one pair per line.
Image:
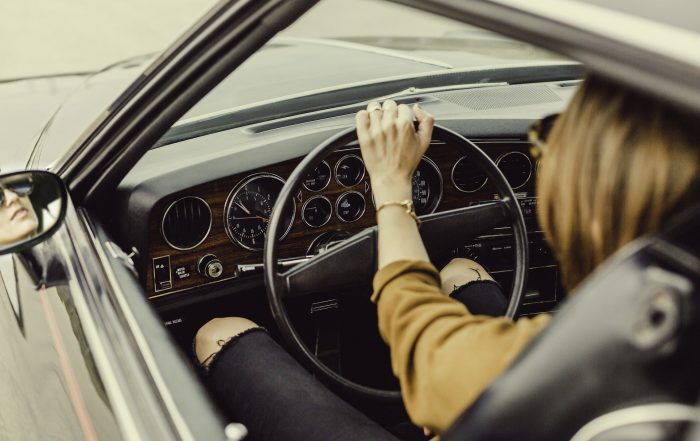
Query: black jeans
x=264 y=388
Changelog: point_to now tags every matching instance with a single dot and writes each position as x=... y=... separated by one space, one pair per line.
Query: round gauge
x=467 y=177
x=349 y=170
x=426 y=187
x=317 y=211
x=350 y=206
x=516 y=167
x=318 y=178
x=248 y=209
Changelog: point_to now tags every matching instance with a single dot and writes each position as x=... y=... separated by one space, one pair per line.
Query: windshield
x=342 y=44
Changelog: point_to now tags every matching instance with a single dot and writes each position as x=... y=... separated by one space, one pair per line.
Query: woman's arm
x=443 y=355
x=392 y=148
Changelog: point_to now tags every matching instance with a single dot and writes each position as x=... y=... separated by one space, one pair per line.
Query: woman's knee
x=216 y=332
x=460 y=272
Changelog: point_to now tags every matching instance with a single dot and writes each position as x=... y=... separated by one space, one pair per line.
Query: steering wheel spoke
x=345 y=266
x=350 y=265
x=441 y=231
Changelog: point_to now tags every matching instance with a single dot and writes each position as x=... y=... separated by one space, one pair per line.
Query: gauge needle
x=242 y=207
x=251 y=217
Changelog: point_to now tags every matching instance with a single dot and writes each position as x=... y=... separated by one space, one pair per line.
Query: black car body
x=99 y=317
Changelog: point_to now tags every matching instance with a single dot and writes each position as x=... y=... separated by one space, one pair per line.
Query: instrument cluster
x=249 y=204
x=221 y=225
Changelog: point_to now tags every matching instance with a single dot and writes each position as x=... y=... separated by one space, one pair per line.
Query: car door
x=84 y=354
x=49 y=385
x=73 y=366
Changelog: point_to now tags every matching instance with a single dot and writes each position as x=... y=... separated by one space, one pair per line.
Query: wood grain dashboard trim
x=183 y=271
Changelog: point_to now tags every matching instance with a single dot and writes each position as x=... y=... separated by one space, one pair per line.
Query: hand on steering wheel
x=392 y=147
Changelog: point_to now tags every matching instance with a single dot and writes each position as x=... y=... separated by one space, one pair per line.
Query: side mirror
x=32 y=207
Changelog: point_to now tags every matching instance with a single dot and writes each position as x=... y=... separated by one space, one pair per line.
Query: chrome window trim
x=103 y=330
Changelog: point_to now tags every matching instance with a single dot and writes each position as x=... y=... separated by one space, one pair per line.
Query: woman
x=17 y=218
x=616 y=166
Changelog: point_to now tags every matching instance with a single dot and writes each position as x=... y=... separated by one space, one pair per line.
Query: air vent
x=500 y=97
x=186 y=223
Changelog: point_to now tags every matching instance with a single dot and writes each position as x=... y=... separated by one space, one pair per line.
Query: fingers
x=389 y=113
x=372 y=106
x=405 y=117
x=379 y=125
x=362 y=123
x=363 y=134
x=425 y=125
x=375 y=117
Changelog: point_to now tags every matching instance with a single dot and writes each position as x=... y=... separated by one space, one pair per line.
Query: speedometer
x=426 y=187
x=248 y=209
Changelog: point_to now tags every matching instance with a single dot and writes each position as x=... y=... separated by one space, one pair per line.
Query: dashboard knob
x=210 y=266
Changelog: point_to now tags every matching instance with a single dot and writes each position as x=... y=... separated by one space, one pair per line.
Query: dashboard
x=194 y=212
x=213 y=233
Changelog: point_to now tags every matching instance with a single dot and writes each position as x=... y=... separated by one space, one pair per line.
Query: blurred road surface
x=44 y=37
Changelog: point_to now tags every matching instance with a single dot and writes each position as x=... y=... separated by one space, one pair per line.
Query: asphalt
x=40 y=39
x=45 y=37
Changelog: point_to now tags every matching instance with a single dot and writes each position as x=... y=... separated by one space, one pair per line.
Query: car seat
x=620 y=360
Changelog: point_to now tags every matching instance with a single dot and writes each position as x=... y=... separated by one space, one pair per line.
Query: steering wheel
x=352 y=263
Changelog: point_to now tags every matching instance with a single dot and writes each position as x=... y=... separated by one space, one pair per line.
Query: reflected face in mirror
x=32 y=203
x=18 y=219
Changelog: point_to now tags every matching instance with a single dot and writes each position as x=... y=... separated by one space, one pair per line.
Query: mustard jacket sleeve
x=443 y=356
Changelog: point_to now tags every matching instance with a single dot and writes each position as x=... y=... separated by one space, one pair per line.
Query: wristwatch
x=406 y=204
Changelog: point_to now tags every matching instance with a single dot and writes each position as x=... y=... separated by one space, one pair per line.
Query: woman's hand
x=392 y=147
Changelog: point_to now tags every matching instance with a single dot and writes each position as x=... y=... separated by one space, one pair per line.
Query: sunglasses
x=20 y=188
x=538 y=134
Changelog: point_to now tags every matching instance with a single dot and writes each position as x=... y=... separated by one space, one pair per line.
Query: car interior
x=203 y=219
x=197 y=206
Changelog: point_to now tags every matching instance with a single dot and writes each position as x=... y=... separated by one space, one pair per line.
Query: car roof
x=666 y=28
x=653 y=47
x=681 y=14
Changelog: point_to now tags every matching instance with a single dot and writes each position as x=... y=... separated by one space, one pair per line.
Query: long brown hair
x=619 y=164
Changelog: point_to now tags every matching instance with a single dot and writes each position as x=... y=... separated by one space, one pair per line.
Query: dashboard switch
x=162 y=278
x=210 y=267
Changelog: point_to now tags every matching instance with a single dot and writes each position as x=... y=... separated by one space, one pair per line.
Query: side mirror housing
x=32 y=207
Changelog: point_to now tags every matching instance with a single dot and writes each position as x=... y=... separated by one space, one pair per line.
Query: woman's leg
x=264 y=388
x=468 y=282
